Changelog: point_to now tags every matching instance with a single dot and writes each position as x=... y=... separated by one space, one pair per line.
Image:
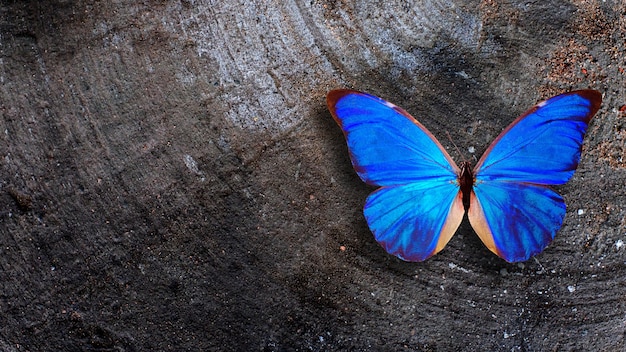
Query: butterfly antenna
x=455 y=146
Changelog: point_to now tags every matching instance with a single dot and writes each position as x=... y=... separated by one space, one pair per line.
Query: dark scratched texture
x=171 y=180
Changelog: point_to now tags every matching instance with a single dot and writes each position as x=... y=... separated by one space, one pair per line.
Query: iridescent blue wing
x=419 y=206
x=512 y=208
x=387 y=146
x=416 y=220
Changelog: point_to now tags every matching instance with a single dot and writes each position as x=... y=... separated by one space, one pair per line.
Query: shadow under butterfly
x=423 y=194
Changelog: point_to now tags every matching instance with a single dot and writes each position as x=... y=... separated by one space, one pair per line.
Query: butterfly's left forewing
x=388 y=147
x=419 y=206
x=512 y=208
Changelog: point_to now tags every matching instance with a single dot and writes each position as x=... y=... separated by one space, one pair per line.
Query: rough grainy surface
x=171 y=179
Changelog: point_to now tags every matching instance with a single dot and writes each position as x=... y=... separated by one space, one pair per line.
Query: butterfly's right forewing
x=512 y=208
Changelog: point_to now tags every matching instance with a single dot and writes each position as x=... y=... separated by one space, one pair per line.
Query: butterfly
x=424 y=195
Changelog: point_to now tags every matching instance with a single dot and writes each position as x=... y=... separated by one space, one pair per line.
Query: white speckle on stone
x=581 y=211
x=619 y=244
x=192 y=165
x=571 y=288
x=463 y=74
x=472 y=150
x=454 y=266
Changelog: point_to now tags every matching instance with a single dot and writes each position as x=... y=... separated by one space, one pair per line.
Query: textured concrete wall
x=170 y=177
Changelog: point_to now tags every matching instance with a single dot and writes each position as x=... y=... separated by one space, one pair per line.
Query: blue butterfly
x=423 y=194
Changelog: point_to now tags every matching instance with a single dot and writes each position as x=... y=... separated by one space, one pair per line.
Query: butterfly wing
x=512 y=208
x=416 y=220
x=419 y=206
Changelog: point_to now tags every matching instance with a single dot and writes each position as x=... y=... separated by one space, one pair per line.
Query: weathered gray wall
x=171 y=179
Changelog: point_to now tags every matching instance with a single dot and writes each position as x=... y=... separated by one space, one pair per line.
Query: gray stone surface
x=171 y=179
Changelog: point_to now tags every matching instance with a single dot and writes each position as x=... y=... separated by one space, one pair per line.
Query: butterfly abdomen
x=466 y=182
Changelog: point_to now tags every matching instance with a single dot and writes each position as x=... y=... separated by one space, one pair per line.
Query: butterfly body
x=424 y=195
x=466 y=182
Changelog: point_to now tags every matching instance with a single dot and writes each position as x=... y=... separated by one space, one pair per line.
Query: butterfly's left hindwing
x=415 y=221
